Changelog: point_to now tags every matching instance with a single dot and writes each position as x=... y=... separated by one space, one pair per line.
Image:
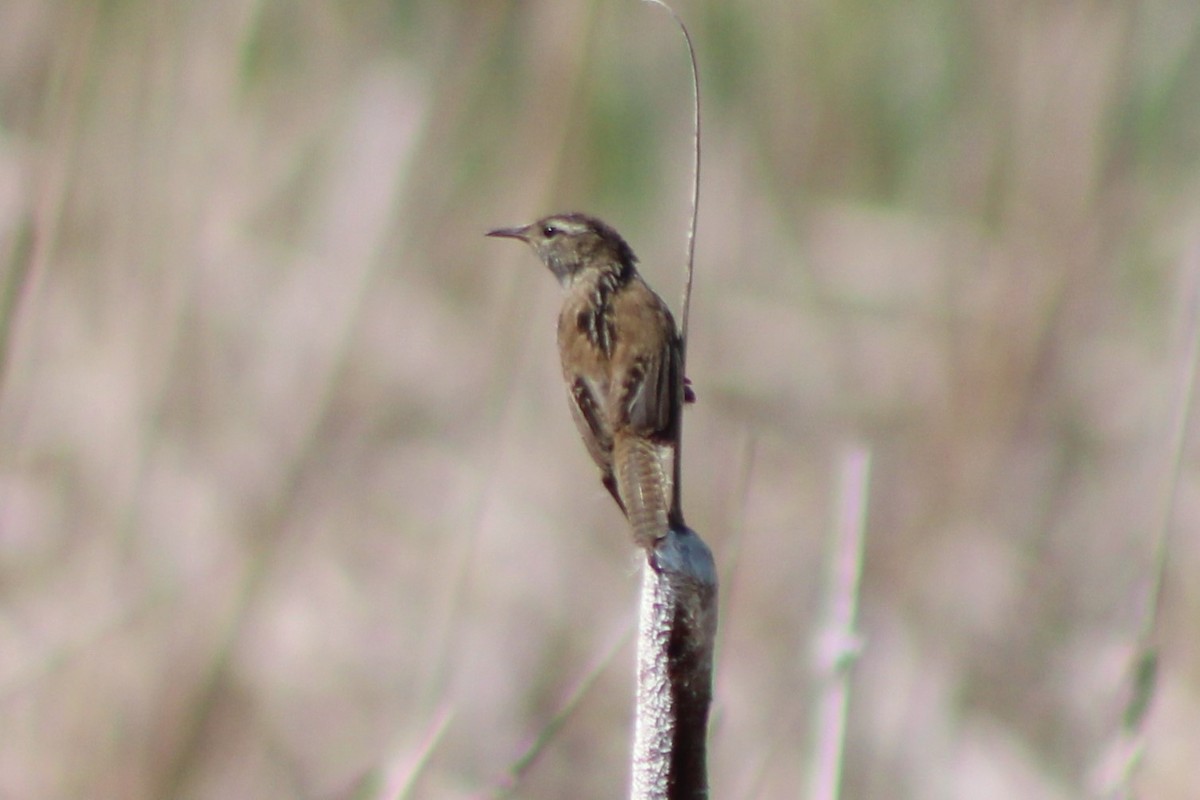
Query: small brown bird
x=621 y=361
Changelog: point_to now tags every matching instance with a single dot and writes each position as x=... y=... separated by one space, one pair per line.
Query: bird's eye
x=549 y=231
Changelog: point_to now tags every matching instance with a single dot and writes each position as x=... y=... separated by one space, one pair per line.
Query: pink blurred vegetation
x=290 y=500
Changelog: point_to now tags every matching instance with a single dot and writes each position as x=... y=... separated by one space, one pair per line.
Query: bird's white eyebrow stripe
x=567 y=225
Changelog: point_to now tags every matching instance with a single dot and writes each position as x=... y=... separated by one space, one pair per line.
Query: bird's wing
x=587 y=408
x=593 y=427
x=649 y=389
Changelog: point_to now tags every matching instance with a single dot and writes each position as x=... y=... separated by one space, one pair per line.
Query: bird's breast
x=587 y=328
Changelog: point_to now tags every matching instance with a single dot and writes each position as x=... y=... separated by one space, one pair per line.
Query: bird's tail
x=645 y=473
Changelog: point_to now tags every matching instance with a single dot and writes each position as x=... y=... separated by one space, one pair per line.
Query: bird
x=622 y=362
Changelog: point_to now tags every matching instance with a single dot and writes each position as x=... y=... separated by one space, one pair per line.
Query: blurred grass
x=286 y=476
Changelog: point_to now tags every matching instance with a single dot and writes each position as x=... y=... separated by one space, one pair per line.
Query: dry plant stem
x=509 y=786
x=401 y=782
x=1180 y=425
x=678 y=621
x=675 y=651
x=1127 y=745
x=685 y=305
x=838 y=642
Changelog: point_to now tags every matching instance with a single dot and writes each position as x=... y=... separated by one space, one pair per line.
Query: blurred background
x=291 y=504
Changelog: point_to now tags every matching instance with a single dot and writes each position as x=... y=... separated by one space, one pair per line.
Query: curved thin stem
x=685 y=304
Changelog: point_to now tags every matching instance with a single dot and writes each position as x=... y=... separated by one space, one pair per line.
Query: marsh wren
x=621 y=359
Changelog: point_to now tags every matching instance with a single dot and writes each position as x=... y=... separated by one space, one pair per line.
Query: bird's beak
x=521 y=233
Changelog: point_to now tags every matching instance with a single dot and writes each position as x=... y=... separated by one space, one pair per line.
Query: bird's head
x=570 y=244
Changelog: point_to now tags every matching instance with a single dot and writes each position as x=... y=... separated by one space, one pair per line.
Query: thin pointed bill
x=521 y=233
